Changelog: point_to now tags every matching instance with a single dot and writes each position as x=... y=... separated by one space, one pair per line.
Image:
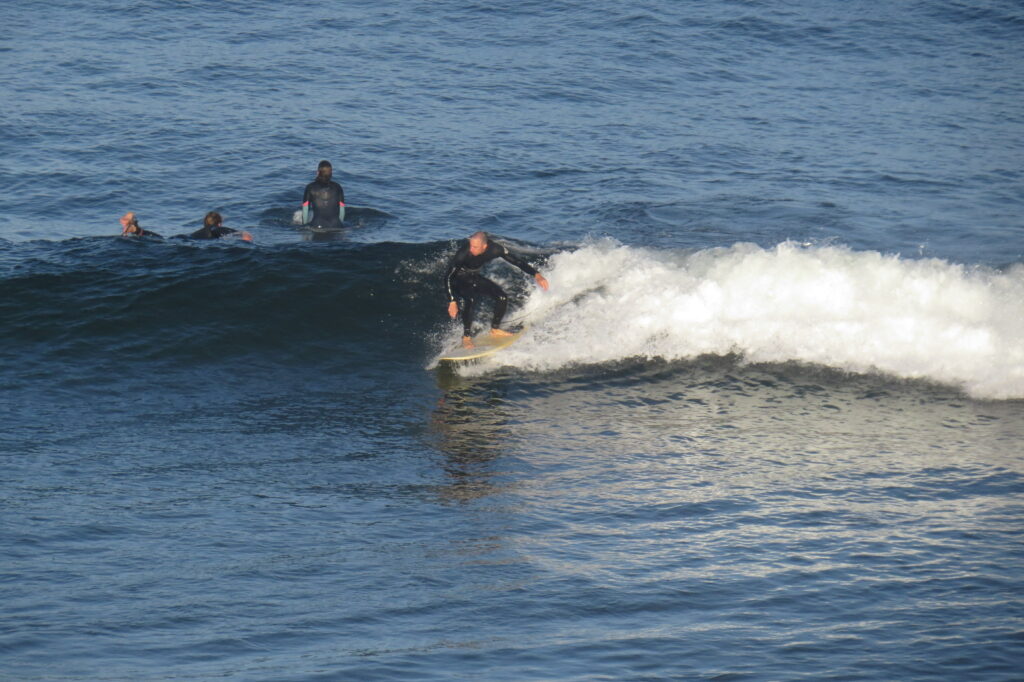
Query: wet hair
x=212 y=219
x=133 y=221
x=480 y=235
x=324 y=168
x=324 y=164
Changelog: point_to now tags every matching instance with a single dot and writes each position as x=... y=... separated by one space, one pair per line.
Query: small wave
x=828 y=305
x=174 y=299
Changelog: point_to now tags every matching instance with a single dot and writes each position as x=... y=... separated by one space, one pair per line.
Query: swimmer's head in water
x=324 y=170
x=212 y=219
x=477 y=242
x=129 y=223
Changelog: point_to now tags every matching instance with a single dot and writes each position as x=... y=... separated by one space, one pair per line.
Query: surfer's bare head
x=324 y=170
x=129 y=223
x=478 y=242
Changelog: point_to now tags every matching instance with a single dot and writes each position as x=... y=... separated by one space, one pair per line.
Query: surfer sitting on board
x=130 y=227
x=464 y=281
x=326 y=198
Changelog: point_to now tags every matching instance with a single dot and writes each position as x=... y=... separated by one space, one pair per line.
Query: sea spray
x=853 y=310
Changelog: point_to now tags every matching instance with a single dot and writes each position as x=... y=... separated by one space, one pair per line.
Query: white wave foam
x=858 y=311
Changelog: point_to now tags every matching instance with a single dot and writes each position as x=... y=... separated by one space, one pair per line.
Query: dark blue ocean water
x=768 y=423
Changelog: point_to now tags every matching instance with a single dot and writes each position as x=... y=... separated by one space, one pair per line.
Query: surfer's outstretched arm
x=524 y=266
x=516 y=261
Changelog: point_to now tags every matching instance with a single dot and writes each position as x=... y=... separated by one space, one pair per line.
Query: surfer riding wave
x=464 y=281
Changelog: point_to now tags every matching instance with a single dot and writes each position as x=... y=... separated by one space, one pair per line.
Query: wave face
x=855 y=311
x=186 y=304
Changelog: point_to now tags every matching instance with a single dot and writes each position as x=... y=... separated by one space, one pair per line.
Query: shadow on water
x=355 y=217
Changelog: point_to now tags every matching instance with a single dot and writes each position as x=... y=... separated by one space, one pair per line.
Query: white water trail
x=857 y=311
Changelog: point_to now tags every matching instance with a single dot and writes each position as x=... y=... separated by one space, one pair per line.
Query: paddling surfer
x=214 y=229
x=130 y=227
x=463 y=280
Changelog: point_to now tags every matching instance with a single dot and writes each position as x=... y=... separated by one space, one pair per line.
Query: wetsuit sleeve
x=517 y=261
x=453 y=267
x=305 y=206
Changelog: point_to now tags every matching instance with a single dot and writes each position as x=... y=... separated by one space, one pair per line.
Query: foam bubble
x=857 y=311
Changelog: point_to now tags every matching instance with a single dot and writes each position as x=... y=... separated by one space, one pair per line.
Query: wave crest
x=857 y=311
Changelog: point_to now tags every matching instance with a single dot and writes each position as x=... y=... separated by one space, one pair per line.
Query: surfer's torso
x=465 y=264
x=324 y=198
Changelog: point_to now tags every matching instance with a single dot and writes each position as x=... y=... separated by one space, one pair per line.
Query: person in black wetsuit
x=463 y=280
x=213 y=229
x=325 y=198
x=130 y=227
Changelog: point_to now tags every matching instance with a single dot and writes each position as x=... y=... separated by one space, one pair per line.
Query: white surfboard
x=483 y=345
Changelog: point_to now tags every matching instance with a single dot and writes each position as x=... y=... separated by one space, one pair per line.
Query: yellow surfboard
x=483 y=345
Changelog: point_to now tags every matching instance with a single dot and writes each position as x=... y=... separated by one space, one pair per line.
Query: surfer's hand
x=453 y=309
x=541 y=281
x=246 y=236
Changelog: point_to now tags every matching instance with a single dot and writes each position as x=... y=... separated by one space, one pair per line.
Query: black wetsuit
x=324 y=199
x=215 y=232
x=142 y=233
x=463 y=280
